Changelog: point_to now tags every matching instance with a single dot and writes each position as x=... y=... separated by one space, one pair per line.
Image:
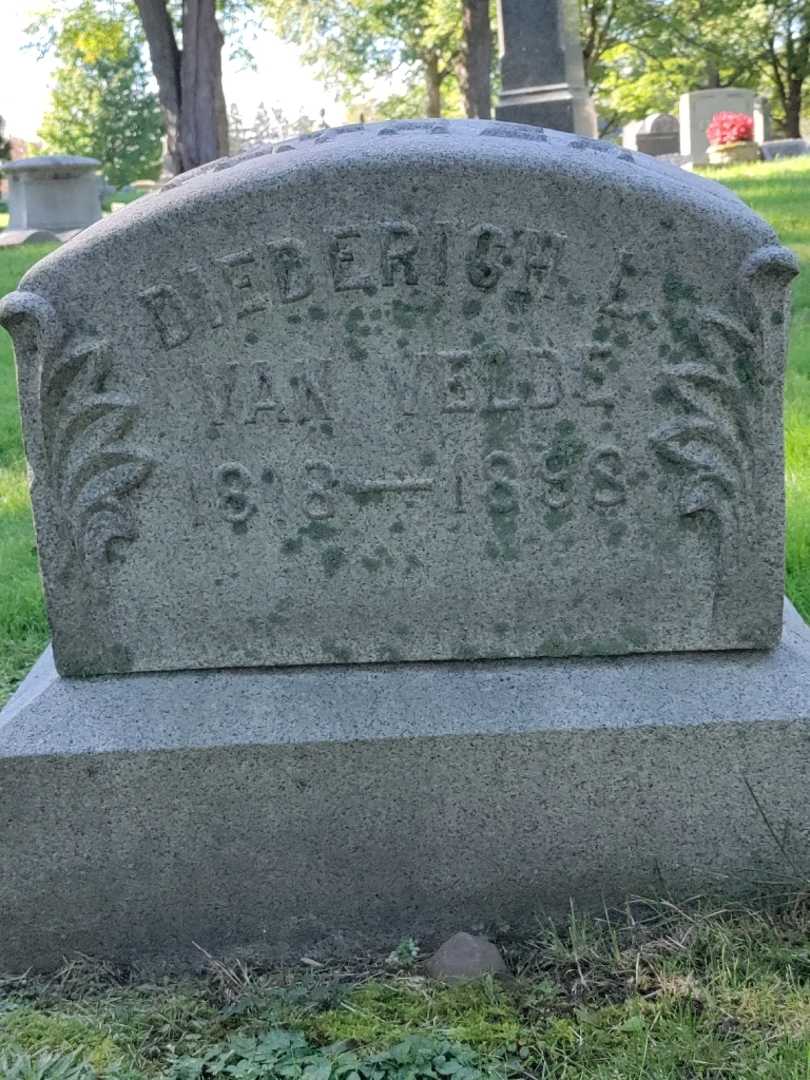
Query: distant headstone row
x=684 y=141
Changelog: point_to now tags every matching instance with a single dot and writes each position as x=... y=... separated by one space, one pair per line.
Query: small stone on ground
x=465 y=956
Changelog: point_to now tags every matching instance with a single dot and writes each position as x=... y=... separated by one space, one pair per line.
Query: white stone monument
x=697 y=110
x=50 y=198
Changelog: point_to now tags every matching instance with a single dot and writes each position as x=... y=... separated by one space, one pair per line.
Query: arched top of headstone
x=411 y=391
x=659 y=124
x=51 y=163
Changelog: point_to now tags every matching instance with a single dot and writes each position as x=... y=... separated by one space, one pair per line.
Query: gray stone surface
x=542 y=76
x=696 y=111
x=56 y=194
x=18 y=237
x=465 y=956
x=783 y=148
x=440 y=390
x=284 y=813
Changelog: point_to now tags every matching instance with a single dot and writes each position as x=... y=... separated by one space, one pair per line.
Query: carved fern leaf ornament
x=710 y=439
x=92 y=467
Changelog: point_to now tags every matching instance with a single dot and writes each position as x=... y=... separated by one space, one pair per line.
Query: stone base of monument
x=16 y=237
x=283 y=813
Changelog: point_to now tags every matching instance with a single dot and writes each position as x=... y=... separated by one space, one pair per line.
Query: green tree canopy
x=5 y=144
x=416 y=44
x=101 y=104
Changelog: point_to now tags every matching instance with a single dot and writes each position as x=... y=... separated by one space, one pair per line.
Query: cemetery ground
x=663 y=989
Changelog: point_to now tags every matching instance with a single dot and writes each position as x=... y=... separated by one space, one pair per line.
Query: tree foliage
x=641 y=55
x=5 y=144
x=412 y=45
x=101 y=105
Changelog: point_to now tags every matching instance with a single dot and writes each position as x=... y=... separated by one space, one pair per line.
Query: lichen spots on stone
x=635 y=636
x=554 y=519
x=293 y=545
x=366 y=498
x=675 y=289
x=318 y=531
x=316 y=313
x=616 y=533
x=406 y=316
x=341 y=653
x=356 y=352
x=332 y=558
x=356 y=324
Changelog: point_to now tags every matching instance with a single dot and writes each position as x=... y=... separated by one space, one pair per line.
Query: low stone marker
x=50 y=198
x=657 y=134
x=784 y=148
x=411 y=392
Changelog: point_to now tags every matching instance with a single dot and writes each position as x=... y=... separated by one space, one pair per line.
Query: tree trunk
x=712 y=74
x=203 y=117
x=165 y=56
x=433 y=84
x=476 y=59
x=189 y=81
x=793 y=109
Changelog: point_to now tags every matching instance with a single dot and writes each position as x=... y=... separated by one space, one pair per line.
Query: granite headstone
x=696 y=111
x=413 y=392
x=418 y=391
x=542 y=74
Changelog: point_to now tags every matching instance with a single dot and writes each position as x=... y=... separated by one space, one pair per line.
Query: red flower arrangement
x=730 y=127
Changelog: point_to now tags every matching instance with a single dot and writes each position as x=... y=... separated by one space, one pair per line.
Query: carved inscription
x=238 y=285
x=708 y=439
x=550 y=476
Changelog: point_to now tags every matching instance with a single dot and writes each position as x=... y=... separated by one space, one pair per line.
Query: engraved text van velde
x=413 y=391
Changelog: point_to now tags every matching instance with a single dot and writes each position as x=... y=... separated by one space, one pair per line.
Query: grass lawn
x=656 y=993
x=662 y=994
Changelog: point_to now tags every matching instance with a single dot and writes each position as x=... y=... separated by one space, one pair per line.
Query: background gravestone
x=542 y=77
x=784 y=148
x=696 y=111
x=417 y=391
x=57 y=195
x=656 y=134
